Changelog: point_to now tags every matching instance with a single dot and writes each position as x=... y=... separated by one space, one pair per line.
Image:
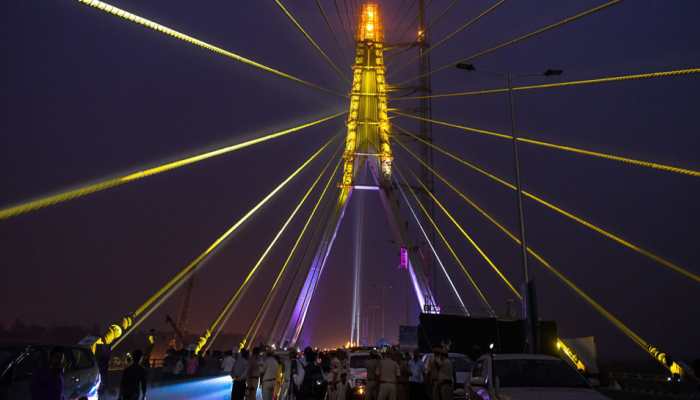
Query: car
x=527 y=377
x=18 y=363
x=357 y=371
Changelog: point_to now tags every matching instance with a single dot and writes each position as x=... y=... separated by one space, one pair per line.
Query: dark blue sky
x=86 y=95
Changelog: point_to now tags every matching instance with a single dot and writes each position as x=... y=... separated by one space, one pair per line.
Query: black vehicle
x=18 y=364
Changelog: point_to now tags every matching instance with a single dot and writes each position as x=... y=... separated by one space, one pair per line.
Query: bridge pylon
x=367 y=147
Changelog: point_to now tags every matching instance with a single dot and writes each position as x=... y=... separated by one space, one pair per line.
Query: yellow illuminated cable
x=518 y=39
x=197 y=261
x=617 y=239
x=607 y=79
x=655 y=353
x=612 y=157
x=452 y=34
x=447 y=244
x=312 y=41
x=134 y=176
x=255 y=326
x=465 y=234
x=225 y=313
x=570 y=149
x=607 y=234
x=153 y=302
x=456 y=126
x=118 y=12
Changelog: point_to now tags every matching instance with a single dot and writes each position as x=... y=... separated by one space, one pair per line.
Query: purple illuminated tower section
x=298 y=317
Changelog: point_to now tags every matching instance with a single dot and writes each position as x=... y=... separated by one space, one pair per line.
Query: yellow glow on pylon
x=368 y=119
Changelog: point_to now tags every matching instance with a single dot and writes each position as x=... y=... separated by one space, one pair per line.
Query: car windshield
x=461 y=364
x=358 y=361
x=537 y=373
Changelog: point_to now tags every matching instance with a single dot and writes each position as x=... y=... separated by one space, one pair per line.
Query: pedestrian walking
x=239 y=374
x=388 y=372
x=47 y=382
x=269 y=374
x=253 y=375
x=416 y=386
x=134 y=379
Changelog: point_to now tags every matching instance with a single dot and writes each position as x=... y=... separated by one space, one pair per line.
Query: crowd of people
x=390 y=374
x=312 y=375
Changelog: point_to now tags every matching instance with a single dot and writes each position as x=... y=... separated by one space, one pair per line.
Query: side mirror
x=477 y=381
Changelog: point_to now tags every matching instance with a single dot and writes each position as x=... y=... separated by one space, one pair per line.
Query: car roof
x=524 y=356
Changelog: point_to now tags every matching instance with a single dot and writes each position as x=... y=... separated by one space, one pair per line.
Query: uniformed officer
x=388 y=371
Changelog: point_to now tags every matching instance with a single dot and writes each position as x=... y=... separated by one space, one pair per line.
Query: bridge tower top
x=370 y=27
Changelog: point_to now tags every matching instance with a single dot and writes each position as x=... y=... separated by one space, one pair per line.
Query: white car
x=357 y=375
x=527 y=377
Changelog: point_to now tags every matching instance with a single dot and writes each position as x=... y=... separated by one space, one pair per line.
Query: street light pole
x=529 y=303
x=529 y=299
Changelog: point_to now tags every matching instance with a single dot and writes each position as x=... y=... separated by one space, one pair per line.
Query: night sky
x=86 y=96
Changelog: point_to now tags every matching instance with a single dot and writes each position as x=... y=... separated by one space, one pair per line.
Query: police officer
x=252 y=375
x=388 y=371
x=372 y=379
x=445 y=374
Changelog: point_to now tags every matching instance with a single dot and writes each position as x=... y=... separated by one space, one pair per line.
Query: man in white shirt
x=269 y=375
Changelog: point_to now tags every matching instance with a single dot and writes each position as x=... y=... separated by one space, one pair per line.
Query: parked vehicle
x=527 y=377
x=18 y=363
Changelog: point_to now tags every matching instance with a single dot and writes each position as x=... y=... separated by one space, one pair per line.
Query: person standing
x=296 y=375
x=47 y=382
x=388 y=372
x=431 y=373
x=312 y=386
x=371 y=366
x=227 y=363
x=334 y=376
x=192 y=364
x=269 y=374
x=252 y=375
x=239 y=374
x=445 y=377
x=416 y=389
x=404 y=376
x=134 y=379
